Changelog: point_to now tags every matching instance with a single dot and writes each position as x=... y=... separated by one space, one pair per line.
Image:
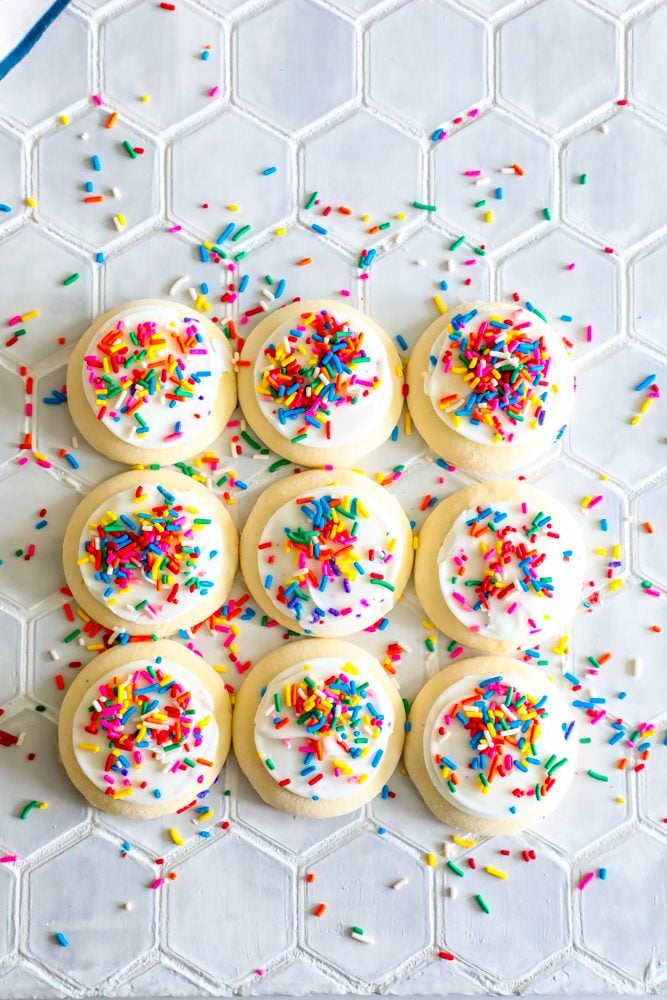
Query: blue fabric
x=33 y=36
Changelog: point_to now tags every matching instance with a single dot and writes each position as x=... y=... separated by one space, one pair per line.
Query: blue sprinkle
x=401 y=341
x=62 y=940
x=244 y=282
x=319 y=229
x=269 y=170
x=645 y=383
x=99 y=257
x=96 y=162
x=5 y=208
x=602 y=874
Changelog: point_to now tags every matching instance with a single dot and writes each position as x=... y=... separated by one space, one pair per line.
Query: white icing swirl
x=200 y=365
x=512 y=793
x=332 y=595
x=144 y=771
x=194 y=577
x=444 y=379
x=370 y=384
x=350 y=754
x=538 y=573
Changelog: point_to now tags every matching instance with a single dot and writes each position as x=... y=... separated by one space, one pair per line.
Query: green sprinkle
x=269 y=763
x=72 y=278
x=547 y=214
x=430 y=645
x=311 y=201
x=279 y=464
x=129 y=149
x=585 y=739
x=299 y=437
x=27 y=809
x=583 y=179
x=358 y=930
x=384 y=583
x=72 y=635
x=457 y=243
x=482 y=903
x=597 y=776
x=480 y=204
x=241 y=232
x=423 y=207
x=241 y=255
x=452 y=865
x=251 y=441
x=384 y=225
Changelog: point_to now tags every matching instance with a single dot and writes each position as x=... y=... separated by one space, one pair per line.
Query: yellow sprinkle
x=442 y=308
x=415 y=542
x=145 y=98
x=31 y=203
x=620 y=800
x=408 y=423
x=43 y=805
x=176 y=837
x=89 y=746
x=461 y=840
x=24 y=319
x=616 y=584
x=488 y=217
x=233 y=208
x=586 y=501
x=496 y=872
x=401 y=216
x=64 y=119
x=431 y=860
x=281 y=232
x=206 y=815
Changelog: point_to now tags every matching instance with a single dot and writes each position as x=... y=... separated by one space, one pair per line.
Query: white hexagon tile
x=400 y=156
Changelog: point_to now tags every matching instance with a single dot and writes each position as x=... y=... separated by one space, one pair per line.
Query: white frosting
x=524 y=611
x=161 y=415
x=158 y=770
x=368 y=601
x=439 y=384
x=347 y=423
x=208 y=538
x=453 y=743
x=281 y=747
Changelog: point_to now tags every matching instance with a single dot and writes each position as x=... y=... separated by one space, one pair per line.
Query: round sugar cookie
x=150 y=552
x=323 y=384
x=500 y=566
x=490 y=386
x=151 y=382
x=318 y=728
x=326 y=553
x=138 y=761
x=490 y=783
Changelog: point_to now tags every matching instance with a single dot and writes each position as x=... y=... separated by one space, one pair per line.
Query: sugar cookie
x=500 y=566
x=150 y=552
x=323 y=385
x=484 y=398
x=144 y=729
x=318 y=727
x=489 y=745
x=151 y=382
x=326 y=553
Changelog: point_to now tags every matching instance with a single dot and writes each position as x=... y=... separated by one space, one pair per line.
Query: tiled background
x=343 y=98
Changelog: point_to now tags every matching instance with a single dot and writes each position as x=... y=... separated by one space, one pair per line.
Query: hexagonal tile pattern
x=646 y=317
x=88 y=908
x=406 y=279
x=345 y=164
x=295 y=979
x=10 y=676
x=557 y=274
x=652 y=557
x=20 y=982
x=67 y=165
x=648 y=82
x=536 y=79
x=571 y=977
x=432 y=978
x=11 y=188
x=280 y=53
x=233 y=872
x=7 y=891
x=541 y=886
x=33 y=771
x=653 y=788
x=607 y=206
x=205 y=174
x=428 y=28
x=12 y=400
x=645 y=939
x=606 y=630
x=158 y=981
x=351 y=870
x=186 y=77
x=64 y=310
x=30 y=580
x=22 y=92
x=469 y=169
x=606 y=393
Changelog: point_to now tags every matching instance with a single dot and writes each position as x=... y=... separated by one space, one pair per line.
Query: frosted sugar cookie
x=326 y=553
x=320 y=383
x=490 y=745
x=318 y=727
x=151 y=381
x=144 y=729
x=500 y=566
x=490 y=386
x=150 y=552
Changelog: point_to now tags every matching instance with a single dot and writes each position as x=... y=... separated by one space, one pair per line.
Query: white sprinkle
x=604 y=129
x=636 y=666
x=481 y=181
x=401 y=882
x=363 y=937
x=75 y=441
x=54 y=654
x=448 y=850
x=177 y=285
x=260 y=458
x=84 y=136
x=118 y=224
x=420 y=263
x=449 y=265
x=192 y=293
x=115 y=192
x=127 y=906
x=268 y=294
x=20 y=739
x=507 y=170
x=451 y=891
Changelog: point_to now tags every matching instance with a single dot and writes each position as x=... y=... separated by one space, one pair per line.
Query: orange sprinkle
x=93 y=199
x=321 y=910
x=622 y=764
x=604 y=658
x=304 y=261
x=518 y=170
x=648 y=527
x=310 y=877
x=344 y=210
x=656 y=628
x=111 y=120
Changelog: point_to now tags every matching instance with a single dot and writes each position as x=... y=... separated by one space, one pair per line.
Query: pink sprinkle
x=588 y=877
x=473 y=112
x=594 y=501
x=473 y=173
x=97 y=99
x=345 y=292
x=8 y=859
x=214 y=91
x=589 y=334
x=571 y=266
x=609 y=250
x=160 y=881
x=512 y=608
x=14 y=320
x=652 y=591
x=175 y=229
